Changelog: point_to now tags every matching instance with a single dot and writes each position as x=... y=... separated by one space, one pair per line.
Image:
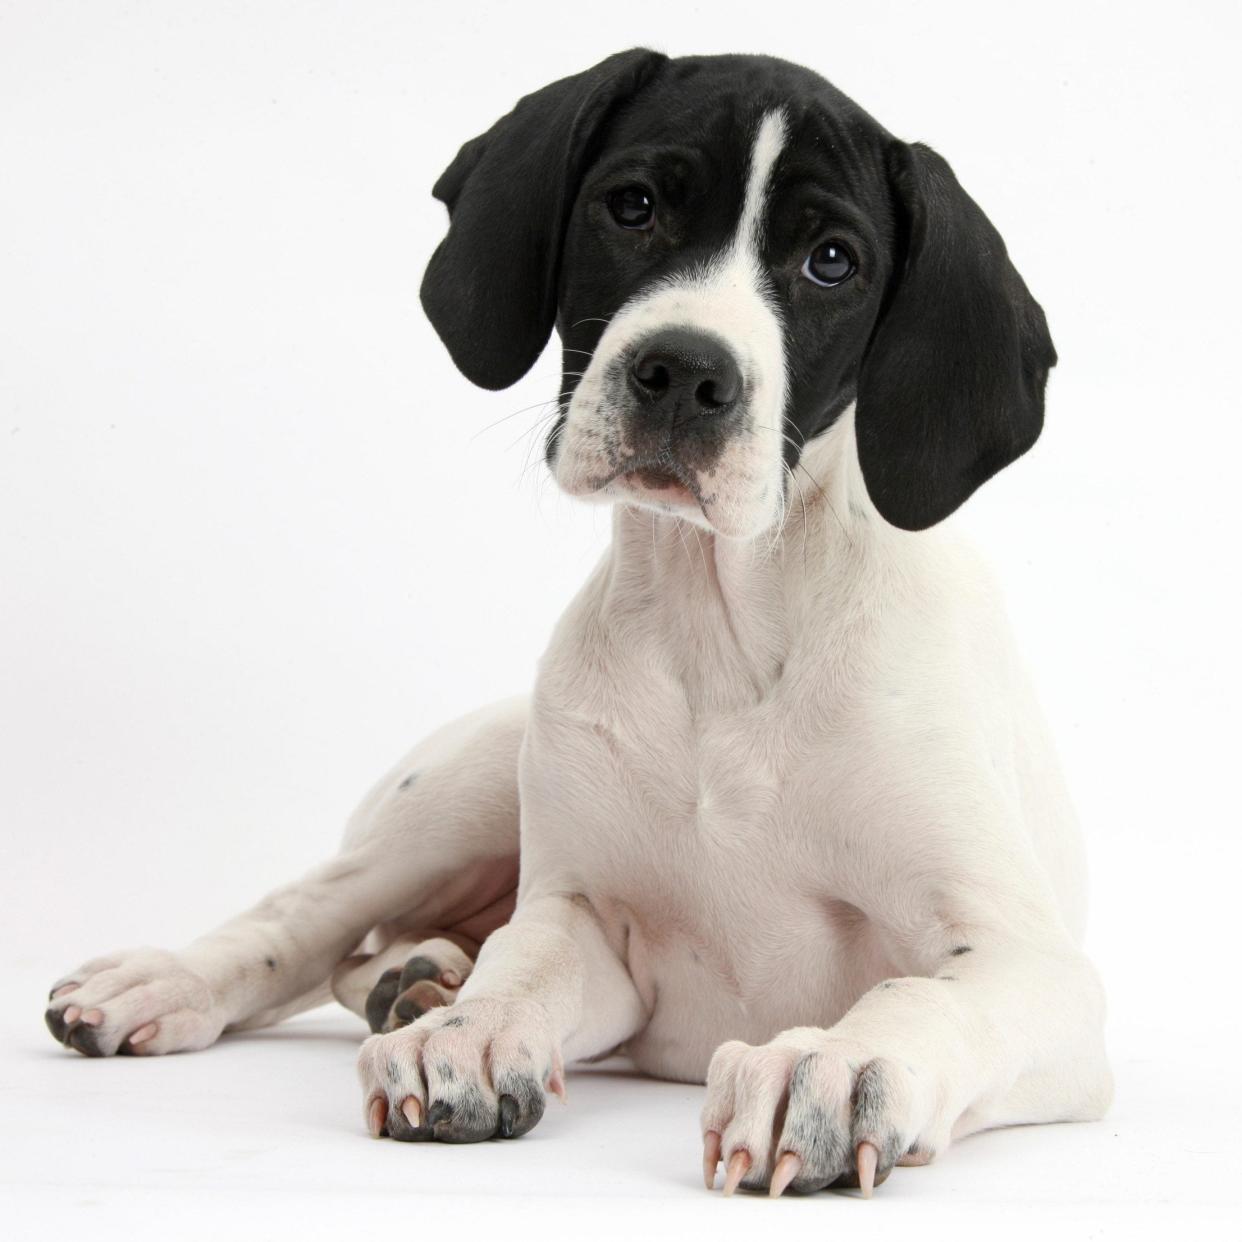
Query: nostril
x=714 y=393
x=651 y=375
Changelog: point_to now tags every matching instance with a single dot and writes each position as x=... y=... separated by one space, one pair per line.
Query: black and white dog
x=780 y=779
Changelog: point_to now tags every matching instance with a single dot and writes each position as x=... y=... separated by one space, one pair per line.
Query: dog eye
x=632 y=207
x=829 y=264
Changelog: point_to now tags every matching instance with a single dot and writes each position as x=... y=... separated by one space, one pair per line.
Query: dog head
x=732 y=252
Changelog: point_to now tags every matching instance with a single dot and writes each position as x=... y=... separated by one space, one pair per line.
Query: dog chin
x=661 y=493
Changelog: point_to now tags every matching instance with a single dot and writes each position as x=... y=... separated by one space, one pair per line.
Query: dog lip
x=655 y=479
x=653 y=474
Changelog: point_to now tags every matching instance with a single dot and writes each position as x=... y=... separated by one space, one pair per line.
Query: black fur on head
x=936 y=337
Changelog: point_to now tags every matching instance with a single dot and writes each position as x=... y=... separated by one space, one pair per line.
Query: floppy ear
x=490 y=288
x=951 y=389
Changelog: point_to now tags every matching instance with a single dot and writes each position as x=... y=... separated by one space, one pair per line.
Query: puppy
x=786 y=816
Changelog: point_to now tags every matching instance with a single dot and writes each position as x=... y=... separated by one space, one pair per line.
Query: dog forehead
x=716 y=104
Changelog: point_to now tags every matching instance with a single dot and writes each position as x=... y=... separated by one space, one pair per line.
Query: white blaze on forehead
x=769 y=142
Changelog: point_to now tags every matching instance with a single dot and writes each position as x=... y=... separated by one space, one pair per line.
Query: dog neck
x=725 y=612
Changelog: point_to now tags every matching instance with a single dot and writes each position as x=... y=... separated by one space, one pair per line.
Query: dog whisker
x=535 y=405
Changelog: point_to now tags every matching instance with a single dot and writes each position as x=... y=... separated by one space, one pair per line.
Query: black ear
x=490 y=288
x=952 y=386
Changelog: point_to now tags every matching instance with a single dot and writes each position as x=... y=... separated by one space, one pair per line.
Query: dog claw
x=377 y=1114
x=739 y=1162
x=711 y=1158
x=72 y=1014
x=556 y=1085
x=412 y=1111
x=787 y=1168
x=867 y=1157
x=142 y=1034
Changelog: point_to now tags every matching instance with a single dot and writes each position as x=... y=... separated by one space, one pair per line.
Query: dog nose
x=684 y=372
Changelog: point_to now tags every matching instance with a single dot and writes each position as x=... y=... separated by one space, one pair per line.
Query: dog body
x=734 y=818
x=786 y=815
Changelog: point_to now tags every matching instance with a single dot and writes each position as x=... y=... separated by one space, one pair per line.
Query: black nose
x=684 y=372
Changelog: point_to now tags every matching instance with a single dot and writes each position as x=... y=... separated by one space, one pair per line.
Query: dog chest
x=696 y=843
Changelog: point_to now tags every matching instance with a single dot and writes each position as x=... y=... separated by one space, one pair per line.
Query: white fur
x=759 y=780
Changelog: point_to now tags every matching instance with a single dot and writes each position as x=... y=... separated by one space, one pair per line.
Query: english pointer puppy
x=780 y=814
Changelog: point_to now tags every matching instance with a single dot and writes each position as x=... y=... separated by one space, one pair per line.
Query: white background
x=256 y=536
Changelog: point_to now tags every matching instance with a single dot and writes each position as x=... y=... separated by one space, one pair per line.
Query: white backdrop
x=257 y=535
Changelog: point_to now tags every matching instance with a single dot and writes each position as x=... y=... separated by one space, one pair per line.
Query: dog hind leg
x=433 y=845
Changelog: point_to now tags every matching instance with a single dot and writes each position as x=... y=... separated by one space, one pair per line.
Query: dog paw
x=427 y=979
x=806 y=1112
x=142 y=1001
x=461 y=1074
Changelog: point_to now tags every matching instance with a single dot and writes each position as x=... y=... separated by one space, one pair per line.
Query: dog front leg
x=547 y=988
x=1002 y=1031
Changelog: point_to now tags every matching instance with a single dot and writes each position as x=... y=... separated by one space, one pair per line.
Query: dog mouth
x=660 y=483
